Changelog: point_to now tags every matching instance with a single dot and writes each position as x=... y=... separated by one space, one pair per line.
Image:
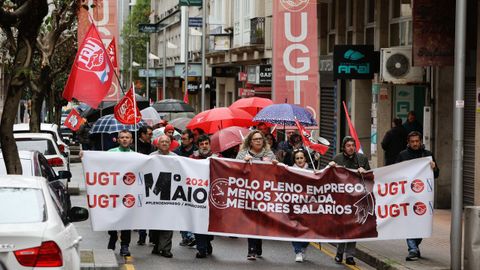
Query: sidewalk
x=390 y=254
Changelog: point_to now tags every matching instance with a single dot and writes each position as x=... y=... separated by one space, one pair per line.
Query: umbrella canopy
x=285 y=114
x=227 y=138
x=180 y=123
x=160 y=131
x=252 y=105
x=150 y=116
x=218 y=118
x=106 y=107
x=172 y=105
x=108 y=124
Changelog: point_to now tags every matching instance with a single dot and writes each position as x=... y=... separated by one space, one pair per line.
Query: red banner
x=295 y=57
x=267 y=200
x=104 y=16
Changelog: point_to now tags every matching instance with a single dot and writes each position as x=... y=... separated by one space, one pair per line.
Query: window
x=331 y=27
x=43 y=146
x=400 y=32
x=370 y=22
x=29 y=205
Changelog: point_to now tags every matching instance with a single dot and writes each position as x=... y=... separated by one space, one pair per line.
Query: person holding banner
x=351 y=159
x=255 y=147
x=300 y=161
x=416 y=149
x=204 y=245
x=124 y=140
x=162 y=239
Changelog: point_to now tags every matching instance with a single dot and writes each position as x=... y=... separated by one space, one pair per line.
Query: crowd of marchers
x=402 y=142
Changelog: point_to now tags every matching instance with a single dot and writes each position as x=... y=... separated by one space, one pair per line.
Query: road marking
x=128 y=263
x=332 y=255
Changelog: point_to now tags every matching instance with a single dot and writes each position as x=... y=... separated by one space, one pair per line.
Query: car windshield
x=26 y=167
x=21 y=205
x=41 y=145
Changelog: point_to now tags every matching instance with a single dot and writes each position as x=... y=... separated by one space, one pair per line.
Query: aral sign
x=354 y=62
x=295 y=61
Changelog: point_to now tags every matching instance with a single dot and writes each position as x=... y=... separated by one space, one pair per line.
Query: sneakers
x=350 y=261
x=412 y=256
x=251 y=256
x=188 y=242
x=339 y=257
x=124 y=251
x=299 y=257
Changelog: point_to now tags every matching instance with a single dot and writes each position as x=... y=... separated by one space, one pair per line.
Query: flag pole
x=310 y=156
x=135 y=114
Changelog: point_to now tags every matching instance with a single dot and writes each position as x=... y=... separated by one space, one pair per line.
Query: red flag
x=185 y=97
x=112 y=53
x=92 y=73
x=353 y=132
x=73 y=120
x=124 y=111
x=308 y=141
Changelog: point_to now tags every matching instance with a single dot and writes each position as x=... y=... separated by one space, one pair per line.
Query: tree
x=20 y=20
x=56 y=31
x=135 y=40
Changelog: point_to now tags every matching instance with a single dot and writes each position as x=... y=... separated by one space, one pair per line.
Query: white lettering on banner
x=173 y=193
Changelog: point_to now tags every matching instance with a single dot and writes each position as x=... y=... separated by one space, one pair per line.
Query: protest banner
x=234 y=198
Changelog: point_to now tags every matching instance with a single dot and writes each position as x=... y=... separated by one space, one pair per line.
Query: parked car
x=36 y=230
x=45 y=144
x=35 y=164
x=47 y=128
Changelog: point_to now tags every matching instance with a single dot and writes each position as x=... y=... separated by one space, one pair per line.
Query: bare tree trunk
x=36 y=111
x=30 y=16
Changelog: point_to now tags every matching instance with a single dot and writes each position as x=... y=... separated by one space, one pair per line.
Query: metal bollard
x=471 y=259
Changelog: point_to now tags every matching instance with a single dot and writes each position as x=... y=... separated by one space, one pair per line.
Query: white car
x=35 y=229
x=45 y=144
x=47 y=128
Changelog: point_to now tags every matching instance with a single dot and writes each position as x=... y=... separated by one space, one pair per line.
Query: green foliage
x=137 y=41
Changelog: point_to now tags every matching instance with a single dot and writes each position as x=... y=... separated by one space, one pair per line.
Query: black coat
x=144 y=147
x=394 y=142
x=409 y=154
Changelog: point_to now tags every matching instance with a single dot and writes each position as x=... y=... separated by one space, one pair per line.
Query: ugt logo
x=92 y=58
x=163 y=185
x=294 y=5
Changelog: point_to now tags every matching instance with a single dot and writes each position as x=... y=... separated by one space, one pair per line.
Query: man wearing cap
x=349 y=158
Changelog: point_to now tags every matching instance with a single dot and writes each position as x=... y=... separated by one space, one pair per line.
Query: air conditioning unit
x=396 y=66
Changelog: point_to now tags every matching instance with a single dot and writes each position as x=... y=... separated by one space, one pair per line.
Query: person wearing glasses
x=300 y=161
x=255 y=147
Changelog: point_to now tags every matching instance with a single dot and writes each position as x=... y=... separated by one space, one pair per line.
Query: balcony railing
x=257 y=30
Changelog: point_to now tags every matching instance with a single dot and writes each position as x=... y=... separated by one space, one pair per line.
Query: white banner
x=135 y=191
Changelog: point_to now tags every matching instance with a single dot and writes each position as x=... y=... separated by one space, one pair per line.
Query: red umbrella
x=219 y=118
x=252 y=105
x=227 y=138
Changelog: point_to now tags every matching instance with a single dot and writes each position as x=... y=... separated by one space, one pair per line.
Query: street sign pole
x=187 y=28
x=164 y=91
x=148 y=73
x=204 y=19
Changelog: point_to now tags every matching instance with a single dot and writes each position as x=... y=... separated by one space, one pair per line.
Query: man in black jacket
x=394 y=142
x=349 y=158
x=415 y=149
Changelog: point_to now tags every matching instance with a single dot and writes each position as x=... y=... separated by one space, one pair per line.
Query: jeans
x=125 y=237
x=255 y=246
x=187 y=235
x=203 y=242
x=413 y=245
x=299 y=246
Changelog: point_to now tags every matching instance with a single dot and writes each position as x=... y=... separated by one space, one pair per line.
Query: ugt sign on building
x=295 y=53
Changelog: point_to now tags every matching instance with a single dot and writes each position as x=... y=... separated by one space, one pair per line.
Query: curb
x=96 y=259
x=377 y=261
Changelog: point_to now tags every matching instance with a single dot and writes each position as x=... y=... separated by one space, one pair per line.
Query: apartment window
x=400 y=32
x=331 y=27
x=349 y=21
x=370 y=22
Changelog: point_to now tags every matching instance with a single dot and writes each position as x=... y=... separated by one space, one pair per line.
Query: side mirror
x=76 y=214
x=64 y=175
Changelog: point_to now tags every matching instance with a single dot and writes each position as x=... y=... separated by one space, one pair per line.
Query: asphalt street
x=228 y=253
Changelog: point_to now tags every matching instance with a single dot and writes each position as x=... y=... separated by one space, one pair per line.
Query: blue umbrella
x=108 y=124
x=285 y=114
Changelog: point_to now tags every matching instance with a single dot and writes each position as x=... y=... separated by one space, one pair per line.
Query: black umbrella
x=106 y=107
x=172 y=105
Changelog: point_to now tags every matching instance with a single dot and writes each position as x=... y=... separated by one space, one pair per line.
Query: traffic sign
x=195 y=22
x=148 y=28
x=197 y=3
